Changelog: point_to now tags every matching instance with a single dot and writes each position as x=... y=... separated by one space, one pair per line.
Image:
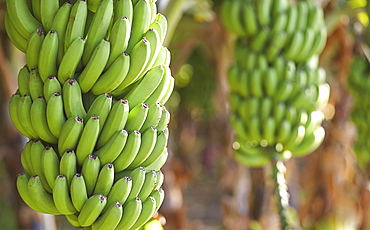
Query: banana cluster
x=359 y=84
x=277 y=89
x=274 y=27
x=91 y=100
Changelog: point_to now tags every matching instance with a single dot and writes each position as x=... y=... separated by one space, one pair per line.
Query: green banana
x=129 y=152
x=119 y=37
x=101 y=107
x=136 y=117
x=23 y=80
x=109 y=219
x=138 y=178
x=61 y=196
x=50 y=165
x=26 y=157
x=158 y=164
x=158 y=149
x=123 y=8
x=114 y=75
x=35 y=85
x=33 y=48
x=160 y=179
x=59 y=25
x=148 y=186
x=93 y=5
x=90 y=171
x=21 y=17
x=68 y=165
x=47 y=64
x=152 y=35
x=292 y=19
x=55 y=114
x=36 y=9
x=148 y=141
x=263 y=10
x=72 y=99
x=14 y=35
x=154 y=115
x=139 y=57
x=14 y=106
x=70 y=134
x=39 y=120
x=161 y=19
x=24 y=115
x=165 y=119
x=140 y=22
x=41 y=198
x=51 y=85
x=148 y=210
x=71 y=59
x=119 y=192
x=115 y=122
x=22 y=187
x=95 y=66
x=48 y=9
x=98 y=28
x=91 y=210
x=78 y=191
x=73 y=220
x=105 y=180
x=111 y=150
x=303 y=12
x=88 y=138
x=129 y=218
x=158 y=195
x=76 y=23
x=146 y=86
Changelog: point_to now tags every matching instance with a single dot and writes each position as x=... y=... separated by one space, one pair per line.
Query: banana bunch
x=91 y=99
x=275 y=27
x=358 y=83
x=277 y=89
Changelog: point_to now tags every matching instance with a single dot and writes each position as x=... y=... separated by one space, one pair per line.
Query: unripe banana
x=70 y=134
x=136 y=117
x=72 y=99
x=55 y=114
x=149 y=185
x=51 y=85
x=109 y=219
x=119 y=192
x=78 y=191
x=23 y=80
x=105 y=180
x=22 y=187
x=26 y=157
x=33 y=48
x=112 y=149
x=87 y=141
x=129 y=218
x=50 y=165
x=68 y=165
x=129 y=152
x=24 y=115
x=14 y=105
x=101 y=107
x=90 y=171
x=76 y=23
x=91 y=210
x=116 y=121
x=47 y=64
x=62 y=197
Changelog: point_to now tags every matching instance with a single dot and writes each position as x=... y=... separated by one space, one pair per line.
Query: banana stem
x=287 y=217
x=173 y=12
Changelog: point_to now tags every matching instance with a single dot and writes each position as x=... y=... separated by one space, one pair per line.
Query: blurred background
x=206 y=189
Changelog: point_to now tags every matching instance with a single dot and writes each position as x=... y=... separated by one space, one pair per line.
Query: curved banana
x=78 y=191
x=123 y=8
x=22 y=187
x=136 y=117
x=116 y=121
x=35 y=85
x=119 y=37
x=105 y=180
x=91 y=210
x=61 y=196
x=165 y=119
x=129 y=152
x=119 y=192
x=14 y=105
x=21 y=17
x=88 y=138
x=146 y=86
x=111 y=150
x=55 y=114
x=50 y=165
x=23 y=79
x=98 y=28
x=158 y=164
x=90 y=171
x=76 y=23
x=51 y=86
x=129 y=218
x=70 y=134
x=148 y=141
x=139 y=57
x=95 y=66
x=71 y=60
x=154 y=115
x=33 y=48
x=72 y=99
x=26 y=157
x=24 y=115
x=110 y=218
x=158 y=149
x=114 y=75
x=15 y=37
x=67 y=165
x=148 y=186
x=47 y=64
x=39 y=120
x=48 y=9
